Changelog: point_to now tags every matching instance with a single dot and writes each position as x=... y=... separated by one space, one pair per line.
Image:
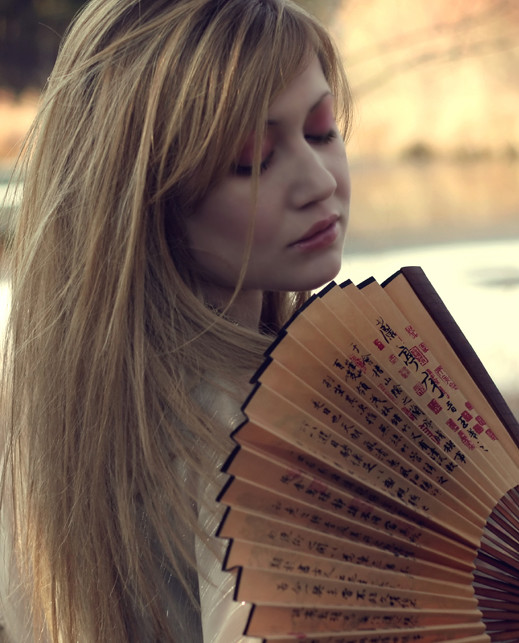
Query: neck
x=244 y=308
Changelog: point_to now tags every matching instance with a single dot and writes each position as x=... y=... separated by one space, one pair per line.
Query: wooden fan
x=372 y=496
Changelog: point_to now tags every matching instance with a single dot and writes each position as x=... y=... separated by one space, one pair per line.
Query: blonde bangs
x=258 y=57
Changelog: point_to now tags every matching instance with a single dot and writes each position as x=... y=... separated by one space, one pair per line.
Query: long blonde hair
x=144 y=112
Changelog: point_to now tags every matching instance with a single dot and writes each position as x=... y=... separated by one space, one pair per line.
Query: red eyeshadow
x=247 y=154
x=321 y=119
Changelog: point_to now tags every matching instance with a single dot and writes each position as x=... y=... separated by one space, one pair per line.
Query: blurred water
x=404 y=204
x=9 y=196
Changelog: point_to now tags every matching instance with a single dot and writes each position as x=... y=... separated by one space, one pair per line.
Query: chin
x=320 y=278
x=314 y=281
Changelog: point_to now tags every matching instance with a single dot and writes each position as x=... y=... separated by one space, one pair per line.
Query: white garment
x=223 y=619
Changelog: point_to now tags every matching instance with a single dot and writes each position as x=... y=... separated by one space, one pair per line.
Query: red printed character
x=419 y=388
x=411 y=331
x=435 y=406
x=466 y=416
x=452 y=425
x=419 y=356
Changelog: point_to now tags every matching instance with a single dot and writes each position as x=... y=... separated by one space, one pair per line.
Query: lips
x=321 y=234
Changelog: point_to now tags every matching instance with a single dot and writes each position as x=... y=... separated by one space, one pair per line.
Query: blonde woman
x=185 y=186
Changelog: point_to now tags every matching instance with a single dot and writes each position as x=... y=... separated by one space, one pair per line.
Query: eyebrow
x=312 y=108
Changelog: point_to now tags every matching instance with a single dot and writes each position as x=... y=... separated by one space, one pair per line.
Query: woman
x=185 y=186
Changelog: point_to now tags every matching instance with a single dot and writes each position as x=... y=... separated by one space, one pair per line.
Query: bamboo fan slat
x=373 y=495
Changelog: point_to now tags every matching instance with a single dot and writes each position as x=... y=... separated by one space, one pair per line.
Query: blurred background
x=434 y=149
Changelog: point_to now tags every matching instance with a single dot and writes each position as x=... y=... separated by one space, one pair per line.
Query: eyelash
x=246 y=170
x=322 y=139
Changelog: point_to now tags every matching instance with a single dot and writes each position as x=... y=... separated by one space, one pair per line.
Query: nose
x=312 y=180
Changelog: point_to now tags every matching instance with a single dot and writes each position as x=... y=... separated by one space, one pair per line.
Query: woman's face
x=302 y=203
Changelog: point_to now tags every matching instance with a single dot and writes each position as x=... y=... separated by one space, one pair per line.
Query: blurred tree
x=30 y=33
x=451 y=33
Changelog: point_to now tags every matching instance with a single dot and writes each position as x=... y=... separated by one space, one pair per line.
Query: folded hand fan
x=373 y=494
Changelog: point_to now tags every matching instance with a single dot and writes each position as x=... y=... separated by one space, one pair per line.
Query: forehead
x=302 y=93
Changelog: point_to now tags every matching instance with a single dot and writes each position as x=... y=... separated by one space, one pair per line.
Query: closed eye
x=322 y=139
x=246 y=170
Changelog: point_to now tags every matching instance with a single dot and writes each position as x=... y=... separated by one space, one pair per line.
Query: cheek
x=222 y=222
x=267 y=220
x=235 y=218
x=220 y=229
